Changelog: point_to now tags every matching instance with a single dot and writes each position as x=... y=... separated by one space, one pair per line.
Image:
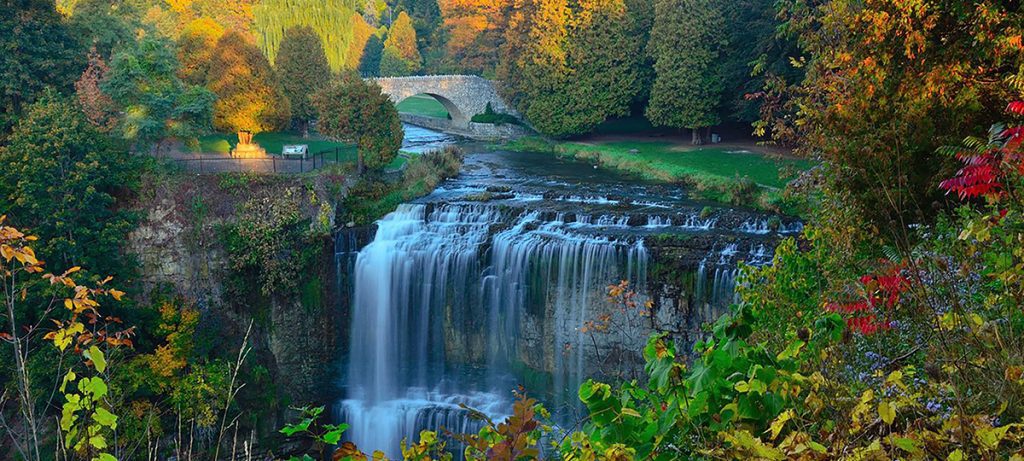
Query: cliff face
x=251 y=250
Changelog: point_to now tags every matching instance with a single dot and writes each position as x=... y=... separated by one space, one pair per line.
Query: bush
x=493 y=118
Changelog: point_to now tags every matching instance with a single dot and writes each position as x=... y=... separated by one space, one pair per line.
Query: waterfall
x=441 y=286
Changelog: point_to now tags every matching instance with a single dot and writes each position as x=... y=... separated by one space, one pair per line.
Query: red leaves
x=980 y=177
x=984 y=170
x=881 y=294
x=1016 y=107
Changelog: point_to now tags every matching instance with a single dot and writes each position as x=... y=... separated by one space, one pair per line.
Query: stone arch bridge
x=462 y=95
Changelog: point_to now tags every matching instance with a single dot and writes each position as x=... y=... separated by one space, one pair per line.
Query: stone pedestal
x=248 y=151
x=246 y=148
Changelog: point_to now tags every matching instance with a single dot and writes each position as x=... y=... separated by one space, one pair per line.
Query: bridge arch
x=462 y=95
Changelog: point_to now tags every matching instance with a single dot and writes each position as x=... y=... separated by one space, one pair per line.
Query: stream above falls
x=487 y=283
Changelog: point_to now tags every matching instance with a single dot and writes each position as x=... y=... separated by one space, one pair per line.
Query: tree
x=889 y=83
x=97 y=106
x=105 y=25
x=60 y=178
x=473 y=33
x=569 y=70
x=402 y=42
x=303 y=71
x=369 y=64
x=143 y=81
x=333 y=20
x=392 y=64
x=686 y=45
x=249 y=95
x=356 y=110
x=38 y=51
x=195 y=49
x=426 y=19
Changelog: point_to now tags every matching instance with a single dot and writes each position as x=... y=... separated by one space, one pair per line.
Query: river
x=487 y=283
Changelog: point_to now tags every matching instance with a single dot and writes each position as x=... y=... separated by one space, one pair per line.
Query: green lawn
x=423 y=105
x=714 y=173
x=670 y=160
x=273 y=143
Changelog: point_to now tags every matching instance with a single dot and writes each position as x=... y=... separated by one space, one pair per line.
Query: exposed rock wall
x=180 y=247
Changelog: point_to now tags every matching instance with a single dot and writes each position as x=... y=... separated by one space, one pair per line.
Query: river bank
x=732 y=174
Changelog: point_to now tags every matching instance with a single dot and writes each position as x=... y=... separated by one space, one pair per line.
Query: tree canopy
x=249 y=94
x=303 y=70
x=401 y=43
x=38 y=51
x=59 y=179
x=686 y=45
x=355 y=110
x=157 y=106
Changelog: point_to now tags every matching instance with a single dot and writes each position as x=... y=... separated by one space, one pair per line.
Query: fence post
x=274 y=161
x=337 y=155
x=200 y=164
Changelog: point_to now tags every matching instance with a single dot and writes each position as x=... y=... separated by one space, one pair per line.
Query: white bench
x=296 y=150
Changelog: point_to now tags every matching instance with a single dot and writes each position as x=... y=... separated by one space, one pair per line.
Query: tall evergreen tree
x=333 y=21
x=426 y=19
x=686 y=45
x=249 y=95
x=369 y=64
x=303 y=70
x=402 y=40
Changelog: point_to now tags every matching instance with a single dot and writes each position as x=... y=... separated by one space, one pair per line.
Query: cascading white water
x=452 y=279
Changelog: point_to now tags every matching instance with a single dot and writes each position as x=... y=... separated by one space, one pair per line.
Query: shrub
x=493 y=118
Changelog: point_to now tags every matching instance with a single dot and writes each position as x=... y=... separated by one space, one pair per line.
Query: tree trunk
x=360 y=167
x=696 y=136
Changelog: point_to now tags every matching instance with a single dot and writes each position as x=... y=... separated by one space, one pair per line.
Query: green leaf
x=105 y=457
x=93 y=386
x=98 y=442
x=105 y=418
x=332 y=437
x=98 y=360
x=905 y=444
x=293 y=429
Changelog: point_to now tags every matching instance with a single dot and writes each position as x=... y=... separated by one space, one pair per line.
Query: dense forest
x=890 y=327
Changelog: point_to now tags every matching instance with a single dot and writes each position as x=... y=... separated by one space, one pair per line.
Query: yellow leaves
x=776 y=426
x=956 y=455
x=861 y=410
x=116 y=294
x=887 y=411
x=63 y=337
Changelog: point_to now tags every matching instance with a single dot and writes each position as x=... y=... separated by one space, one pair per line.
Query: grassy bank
x=423 y=105
x=274 y=142
x=372 y=198
x=738 y=177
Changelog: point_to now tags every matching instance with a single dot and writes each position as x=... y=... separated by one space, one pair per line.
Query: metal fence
x=208 y=164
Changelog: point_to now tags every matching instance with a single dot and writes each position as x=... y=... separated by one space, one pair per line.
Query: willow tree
x=686 y=44
x=249 y=96
x=355 y=110
x=332 y=20
x=303 y=71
